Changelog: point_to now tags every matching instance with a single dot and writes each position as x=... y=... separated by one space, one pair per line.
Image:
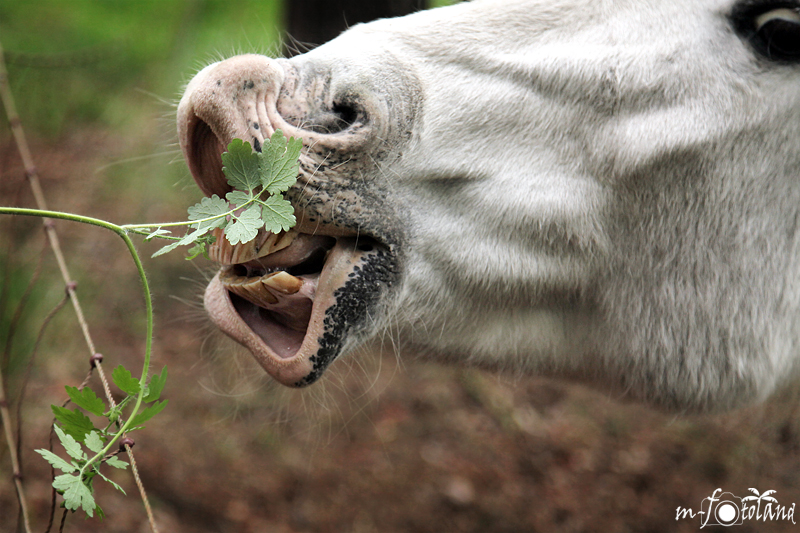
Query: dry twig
x=33 y=179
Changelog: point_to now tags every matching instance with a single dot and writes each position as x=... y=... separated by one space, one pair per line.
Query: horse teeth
x=283 y=282
x=284 y=240
x=251 y=289
x=262 y=291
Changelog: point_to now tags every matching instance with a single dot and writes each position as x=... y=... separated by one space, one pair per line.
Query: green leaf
x=156 y=232
x=277 y=214
x=94 y=442
x=241 y=166
x=250 y=174
x=279 y=166
x=166 y=249
x=57 y=461
x=124 y=380
x=198 y=249
x=64 y=481
x=113 y=414
x=238 y=198
x=245 y=227
x=75 y=424
x=208 y=208
x=149 y=413
x=86 y=399
x=187 y=239
x=155 y=386
x=72 y=446
x=116 y=462
x=76 y=493
x=114 y=484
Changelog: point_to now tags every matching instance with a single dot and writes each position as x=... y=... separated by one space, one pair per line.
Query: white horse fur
x=601 y=190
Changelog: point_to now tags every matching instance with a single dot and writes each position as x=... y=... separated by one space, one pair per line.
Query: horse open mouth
x=300 y=298
x=292 y=298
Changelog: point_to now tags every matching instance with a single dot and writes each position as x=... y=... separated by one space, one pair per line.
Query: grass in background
x=442 y=3
x=106 y=63
x=99 y=63
x=96 y=84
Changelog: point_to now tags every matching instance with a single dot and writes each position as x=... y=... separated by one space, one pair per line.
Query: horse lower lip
x=296 y=338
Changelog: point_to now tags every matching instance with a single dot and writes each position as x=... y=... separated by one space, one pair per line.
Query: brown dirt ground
x=383 y=445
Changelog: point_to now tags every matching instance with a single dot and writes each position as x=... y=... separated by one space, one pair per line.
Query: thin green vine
x=256 y=203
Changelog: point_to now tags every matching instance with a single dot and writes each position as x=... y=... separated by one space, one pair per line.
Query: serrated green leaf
x=116 y=462
x=271 y=171
x=94 y=442
x=124 y=380
x=194 y=236
x=241 y=166
x=112 y=483
x=57 y=461
x=77 y=495
x=238 y=198
x=149 y=413
x=156 y=385
x=64 y=481
x=187 y=239
x=209 y=208
x=156 y=232
x=69 y=443
x=279 y=165
x=86 y=399
x=74 y=423
x=277 y=214
x=245 y=226
x=166 y=249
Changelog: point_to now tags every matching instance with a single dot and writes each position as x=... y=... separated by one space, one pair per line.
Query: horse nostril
x=205 y=159
x=331 y=120
x=345 y=114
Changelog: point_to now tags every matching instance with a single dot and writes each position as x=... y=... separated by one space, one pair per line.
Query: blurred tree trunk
x=313 y=22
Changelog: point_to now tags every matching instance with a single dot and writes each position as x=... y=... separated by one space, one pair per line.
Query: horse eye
x=774 y=33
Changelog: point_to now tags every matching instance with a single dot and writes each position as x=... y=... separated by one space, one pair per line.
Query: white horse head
x=603 y=190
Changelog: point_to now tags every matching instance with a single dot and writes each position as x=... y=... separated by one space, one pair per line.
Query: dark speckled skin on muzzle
x=249 y=97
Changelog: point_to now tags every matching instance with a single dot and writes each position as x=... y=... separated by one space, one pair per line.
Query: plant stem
x=123 y=233
x=5 y=419
x=232 y=212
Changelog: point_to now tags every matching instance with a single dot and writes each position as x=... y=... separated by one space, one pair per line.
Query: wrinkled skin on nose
x=602 y=191
x=335 y=264
x=227 y=100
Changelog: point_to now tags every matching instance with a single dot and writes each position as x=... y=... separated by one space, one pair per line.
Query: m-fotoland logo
x=727 y=509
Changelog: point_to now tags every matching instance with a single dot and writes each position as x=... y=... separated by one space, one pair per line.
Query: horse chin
x=297 y=325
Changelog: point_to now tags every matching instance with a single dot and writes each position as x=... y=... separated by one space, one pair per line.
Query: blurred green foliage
x=441 y=3
x=105 y=62
x=96 y=84
x=78 y=62
x=117 y=68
